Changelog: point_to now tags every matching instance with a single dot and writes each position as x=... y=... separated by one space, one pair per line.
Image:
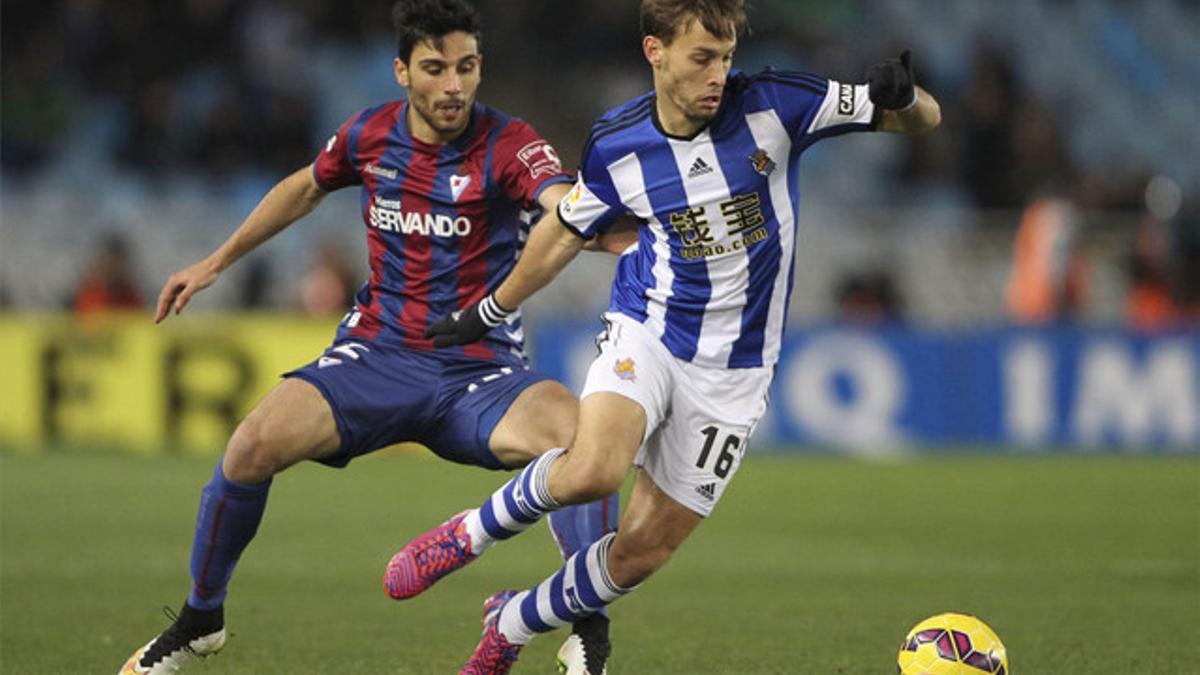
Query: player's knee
x=248 y=455
x=559 y=415
x=588 y=479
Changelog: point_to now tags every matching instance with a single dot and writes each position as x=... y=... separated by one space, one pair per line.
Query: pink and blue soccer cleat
x=428 y=558
x=494 y=655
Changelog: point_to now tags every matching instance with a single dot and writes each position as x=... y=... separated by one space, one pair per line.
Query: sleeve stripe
x=800 y=84
x=614 y=129
x=633 y=111
x=552 y=180
x=626 y=121
x=796 y=75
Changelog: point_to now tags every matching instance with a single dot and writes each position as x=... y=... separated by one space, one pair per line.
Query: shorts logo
x=330 y=143
x=540 y=159
x=846 y=101
x=762 y=162
x=346 y=350
x=474 y=386
x=624 y=369
x=708 y=491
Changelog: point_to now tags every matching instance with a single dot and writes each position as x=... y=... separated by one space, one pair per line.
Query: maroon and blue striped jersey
x=445 y=223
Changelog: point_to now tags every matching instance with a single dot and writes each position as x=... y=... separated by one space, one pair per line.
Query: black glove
x=891 y=83
x=468 y=325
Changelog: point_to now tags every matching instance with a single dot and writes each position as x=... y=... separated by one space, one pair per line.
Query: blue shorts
x=383 y=394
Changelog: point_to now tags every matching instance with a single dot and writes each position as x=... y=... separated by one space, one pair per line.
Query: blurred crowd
x=229 y=90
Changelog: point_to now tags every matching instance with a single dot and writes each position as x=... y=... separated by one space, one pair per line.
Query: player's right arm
x=291 y=199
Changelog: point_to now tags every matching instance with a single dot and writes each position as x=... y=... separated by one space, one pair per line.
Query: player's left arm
x=622 y=235
x=904 y=107
x=615 y=240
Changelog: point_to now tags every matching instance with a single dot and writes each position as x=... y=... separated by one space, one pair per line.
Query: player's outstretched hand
x=891 y=83
x=468 y=325
x=181 y=286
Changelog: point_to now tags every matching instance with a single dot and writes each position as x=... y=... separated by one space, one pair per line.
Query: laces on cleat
x=188 y=626
x=428 y=558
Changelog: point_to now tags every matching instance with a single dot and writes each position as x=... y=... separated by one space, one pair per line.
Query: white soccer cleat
x=192 y=635
x=586 y=649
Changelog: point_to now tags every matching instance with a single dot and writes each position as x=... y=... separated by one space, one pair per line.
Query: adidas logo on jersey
x=708 y=491
x=699 y=168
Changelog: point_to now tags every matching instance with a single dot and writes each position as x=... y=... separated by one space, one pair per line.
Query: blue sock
x=228 y=518
x=578 y=527
x=516 y=506
x=582 y=587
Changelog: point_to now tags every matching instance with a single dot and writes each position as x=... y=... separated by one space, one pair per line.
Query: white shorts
x=698 y=420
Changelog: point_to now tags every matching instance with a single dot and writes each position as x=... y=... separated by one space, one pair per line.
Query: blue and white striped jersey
x=712 y=270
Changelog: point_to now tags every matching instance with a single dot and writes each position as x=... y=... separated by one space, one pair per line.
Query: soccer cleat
x=587 y=648
x=428 y=558
x=494 y=655
x=192 y=634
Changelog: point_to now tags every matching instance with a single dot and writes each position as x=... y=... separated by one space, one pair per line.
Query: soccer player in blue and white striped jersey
x=708 y=163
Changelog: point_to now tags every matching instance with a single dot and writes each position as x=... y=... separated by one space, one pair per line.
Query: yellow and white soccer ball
x=952 y=644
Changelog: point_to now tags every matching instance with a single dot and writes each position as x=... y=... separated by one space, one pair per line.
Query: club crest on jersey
x=457 y=185
x=762 y=162
x=624 y=368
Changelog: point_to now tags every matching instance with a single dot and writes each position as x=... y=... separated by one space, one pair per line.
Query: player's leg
x=517 y=400
x=653 y=527
x=293 y=422
x=686 y=464
x=542 y=418
x=611 y=429
x=620 y=403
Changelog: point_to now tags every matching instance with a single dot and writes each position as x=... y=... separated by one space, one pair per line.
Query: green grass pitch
x=809 y=565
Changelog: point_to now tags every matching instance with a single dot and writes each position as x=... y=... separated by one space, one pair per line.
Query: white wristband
x=491 y=312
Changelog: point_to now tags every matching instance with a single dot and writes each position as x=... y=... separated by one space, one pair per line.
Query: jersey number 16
x=725 y=458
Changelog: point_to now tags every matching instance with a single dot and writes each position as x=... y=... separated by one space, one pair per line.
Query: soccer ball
x=952 y=644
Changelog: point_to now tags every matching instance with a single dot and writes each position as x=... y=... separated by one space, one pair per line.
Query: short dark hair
x=420 y=20
x=723 y=18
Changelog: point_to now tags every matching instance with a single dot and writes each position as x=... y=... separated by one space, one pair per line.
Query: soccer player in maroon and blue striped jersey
x=449 y=190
